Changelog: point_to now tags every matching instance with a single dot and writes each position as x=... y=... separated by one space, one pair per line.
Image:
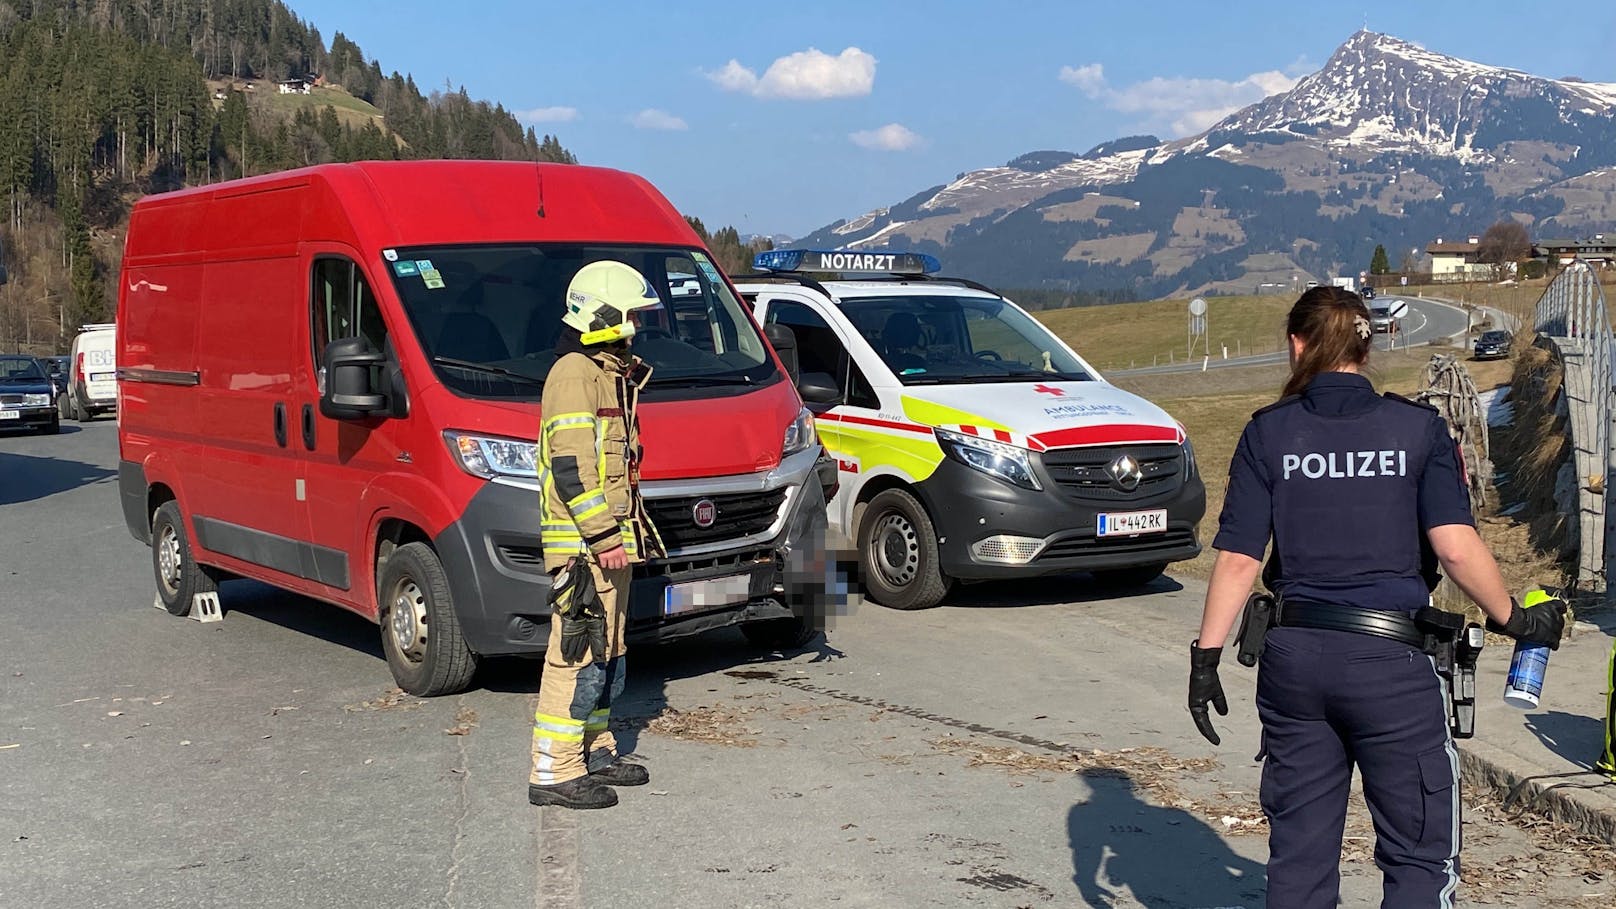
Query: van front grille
x=741 y=514
x=1082 y=473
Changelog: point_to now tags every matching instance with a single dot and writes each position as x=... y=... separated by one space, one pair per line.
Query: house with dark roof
x=1600 y=249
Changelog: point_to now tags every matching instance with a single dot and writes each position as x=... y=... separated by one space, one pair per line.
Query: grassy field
x=350 y=110
x=1127 y=335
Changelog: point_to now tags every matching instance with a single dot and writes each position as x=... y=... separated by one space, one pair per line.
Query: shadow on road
x=1578 y=739
x=304 y=616
x=25 y=478
x=1123 y=845
x=1050 y=591
x=651 y=666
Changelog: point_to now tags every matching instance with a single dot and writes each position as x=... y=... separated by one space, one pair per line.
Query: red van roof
x=409 y=203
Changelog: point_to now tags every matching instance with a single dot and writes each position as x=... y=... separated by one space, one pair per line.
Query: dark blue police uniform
x=1347 y=482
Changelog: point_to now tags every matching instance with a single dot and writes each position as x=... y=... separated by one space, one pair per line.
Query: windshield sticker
x=433 y=279
x=425 y=265
x=405 y=269
x=911 y=371
x=708 y=270
x=1078 y=411
x=390 y=255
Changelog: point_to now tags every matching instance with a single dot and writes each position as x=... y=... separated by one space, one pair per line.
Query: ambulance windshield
x=489 y=316
x=940 y=339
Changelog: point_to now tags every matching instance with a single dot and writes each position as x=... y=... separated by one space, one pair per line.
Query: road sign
x=1398 y=308
x=1197 y=307
x=1405 y=280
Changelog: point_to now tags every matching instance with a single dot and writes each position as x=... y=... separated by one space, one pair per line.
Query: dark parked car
x=1368 y=292
x=1493 y=345
x=27 y=397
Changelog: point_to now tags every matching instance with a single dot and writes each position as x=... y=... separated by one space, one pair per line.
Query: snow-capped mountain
x=1388 y=143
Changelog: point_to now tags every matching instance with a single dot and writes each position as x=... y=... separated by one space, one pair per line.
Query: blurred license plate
x=10 y=415
x=709 y=593
x=1131 y=523
x=102 y=376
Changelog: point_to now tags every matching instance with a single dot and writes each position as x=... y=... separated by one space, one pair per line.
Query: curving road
x=1427 y=321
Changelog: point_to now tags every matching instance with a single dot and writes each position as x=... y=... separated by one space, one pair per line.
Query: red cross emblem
x=1048 y=390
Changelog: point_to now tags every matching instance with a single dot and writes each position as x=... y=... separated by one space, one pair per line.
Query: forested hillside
x=102 y=101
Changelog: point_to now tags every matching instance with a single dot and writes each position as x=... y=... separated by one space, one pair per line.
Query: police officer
x=594 y=523
x=1358 y=492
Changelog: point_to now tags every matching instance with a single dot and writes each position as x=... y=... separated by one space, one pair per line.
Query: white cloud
x=810 y=75
x=1180 y=106
x=548 y=115
x=892 y=137
x=651 y=118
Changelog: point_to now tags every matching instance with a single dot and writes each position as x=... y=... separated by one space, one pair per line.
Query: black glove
x=1205 y=688
x=1543 y=623
x=576 y=604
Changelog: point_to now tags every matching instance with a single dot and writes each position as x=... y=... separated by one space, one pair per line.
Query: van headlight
x=493 y=456
x=1190 y=467
x=800 y=435
x=1007 y=462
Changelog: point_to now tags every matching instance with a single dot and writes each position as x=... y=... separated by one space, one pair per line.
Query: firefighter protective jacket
x=589 y=452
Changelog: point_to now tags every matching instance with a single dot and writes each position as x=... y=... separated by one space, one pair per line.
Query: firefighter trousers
x=570 y=728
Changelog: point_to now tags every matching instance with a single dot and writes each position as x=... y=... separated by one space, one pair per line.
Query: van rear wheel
x=420 y=632
x=179 y=577
x=898 y=555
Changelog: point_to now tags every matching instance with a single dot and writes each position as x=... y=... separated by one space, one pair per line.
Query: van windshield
x=488 y=316
x=945 y=339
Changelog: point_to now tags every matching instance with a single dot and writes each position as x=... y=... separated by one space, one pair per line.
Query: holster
x=1455 y=646
x=1258 y=617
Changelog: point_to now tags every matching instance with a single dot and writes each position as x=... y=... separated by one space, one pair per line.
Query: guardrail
x=1572 y=315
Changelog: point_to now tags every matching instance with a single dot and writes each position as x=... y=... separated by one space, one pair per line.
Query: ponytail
x=1335 y=331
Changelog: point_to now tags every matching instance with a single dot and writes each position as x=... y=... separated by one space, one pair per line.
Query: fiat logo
x=704 y=513
x=1126 y=473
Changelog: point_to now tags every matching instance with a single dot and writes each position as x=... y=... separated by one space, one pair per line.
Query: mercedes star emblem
x=1126 y=473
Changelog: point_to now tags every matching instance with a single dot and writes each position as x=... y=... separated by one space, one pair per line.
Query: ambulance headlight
x=492 y=456
x=1190 y=467
x=800 y=435
x=1007 y=462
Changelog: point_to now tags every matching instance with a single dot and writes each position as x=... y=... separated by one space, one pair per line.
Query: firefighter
x=1607 y=758
x=594 y=528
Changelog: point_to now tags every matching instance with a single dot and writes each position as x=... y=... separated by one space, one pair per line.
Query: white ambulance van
x=972 y=443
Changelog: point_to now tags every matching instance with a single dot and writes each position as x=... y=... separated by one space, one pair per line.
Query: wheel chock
x=205 y=608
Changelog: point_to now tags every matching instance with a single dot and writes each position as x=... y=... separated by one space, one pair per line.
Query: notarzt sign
x=838 y=261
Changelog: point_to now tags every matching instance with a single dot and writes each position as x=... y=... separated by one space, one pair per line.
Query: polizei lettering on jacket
x=1345 y=464
x=833 y=261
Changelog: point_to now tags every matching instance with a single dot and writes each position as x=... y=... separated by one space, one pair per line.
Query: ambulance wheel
x=1136 y=576
x=179 y=577
x=779 y=634
x=420 y=633
x=898 y=555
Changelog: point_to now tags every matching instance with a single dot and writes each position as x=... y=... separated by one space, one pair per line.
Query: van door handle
x=280 y=423
x=308 y=426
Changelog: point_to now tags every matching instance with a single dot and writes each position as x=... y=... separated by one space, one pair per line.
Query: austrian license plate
x=1131 y=523
x=10 y=415
x=102 y=376
x=708 y=593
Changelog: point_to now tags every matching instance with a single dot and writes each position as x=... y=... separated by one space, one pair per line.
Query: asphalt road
x=1427 y=321
x=971 y=755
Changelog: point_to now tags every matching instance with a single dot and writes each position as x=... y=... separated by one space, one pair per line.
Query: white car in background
x=92 y=379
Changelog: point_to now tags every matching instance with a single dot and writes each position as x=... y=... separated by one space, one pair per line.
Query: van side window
x=343 y=307
x=820 y=350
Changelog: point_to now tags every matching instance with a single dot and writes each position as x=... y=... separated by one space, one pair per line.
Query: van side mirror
x=818 y=388
x=349 y=392
x=784 y=342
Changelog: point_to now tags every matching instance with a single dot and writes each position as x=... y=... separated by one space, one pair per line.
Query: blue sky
x=830 y=109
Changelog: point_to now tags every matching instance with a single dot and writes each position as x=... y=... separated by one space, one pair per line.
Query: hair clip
x=1362 y=324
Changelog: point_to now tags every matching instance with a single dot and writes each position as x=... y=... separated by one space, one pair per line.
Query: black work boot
x=583 y=792
x=622 y=773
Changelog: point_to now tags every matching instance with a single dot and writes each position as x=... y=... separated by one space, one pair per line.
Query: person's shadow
x=1578 y=739
x=1162 y=857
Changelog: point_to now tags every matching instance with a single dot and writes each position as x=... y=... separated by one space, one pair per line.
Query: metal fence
x=1572 y=314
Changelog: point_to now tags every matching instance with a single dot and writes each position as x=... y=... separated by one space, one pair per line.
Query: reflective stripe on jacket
x=588 y=461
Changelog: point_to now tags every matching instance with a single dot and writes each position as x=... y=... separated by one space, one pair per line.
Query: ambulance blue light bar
x=847 y=261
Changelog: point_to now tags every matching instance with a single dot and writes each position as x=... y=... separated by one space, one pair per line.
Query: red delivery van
x=329 y=381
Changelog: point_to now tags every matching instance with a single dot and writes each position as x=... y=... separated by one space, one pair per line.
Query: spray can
x=1524 y=686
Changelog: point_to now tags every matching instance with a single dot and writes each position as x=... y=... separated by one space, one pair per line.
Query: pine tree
x=1379 y=264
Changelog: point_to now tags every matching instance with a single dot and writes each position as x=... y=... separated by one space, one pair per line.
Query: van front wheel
x=898 y=553
x=420 y=632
